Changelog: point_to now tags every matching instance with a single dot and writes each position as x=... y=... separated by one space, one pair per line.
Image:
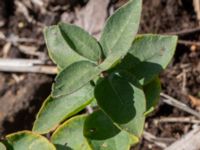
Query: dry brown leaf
x=93 y=16
x=195 y=102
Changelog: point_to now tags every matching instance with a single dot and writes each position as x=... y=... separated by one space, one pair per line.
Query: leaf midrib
x=87 y=46
x=122 y=30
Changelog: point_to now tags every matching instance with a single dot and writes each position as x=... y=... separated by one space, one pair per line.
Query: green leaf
x=99 y=127
x=27 y=140
x=102 y=134
x=81 y=42
x=55 y=110
x=59 y=50
x=149 y=55
x=2 y=147
x=69 y=136
x=123 y=101
x=121 y=28
x=152 y=93
x=74 y=77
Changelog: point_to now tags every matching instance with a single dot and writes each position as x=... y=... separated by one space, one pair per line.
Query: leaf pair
x=132 y=90
x=115 y=42
x=92 y=132
x=128 y=92
x=143 y=67
x=95 y=131
x=78 y=54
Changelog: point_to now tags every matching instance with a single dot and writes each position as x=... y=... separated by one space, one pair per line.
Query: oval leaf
x=55 y=110
x=123 y=101
x=81 y=42
x=149 y=55
x=27 y=140
x=74 y=77
x=102 y=134
x=121 y=28
x=59 y=50
x=70 y=135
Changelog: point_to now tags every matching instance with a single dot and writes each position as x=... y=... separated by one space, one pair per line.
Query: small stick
x=185 y=32
x=20 y=62
x=188 y=43
x=177 y=119
x=30 y=69
x=161 y=142
x=173 y=102
x=26 y=65
x=153 y=137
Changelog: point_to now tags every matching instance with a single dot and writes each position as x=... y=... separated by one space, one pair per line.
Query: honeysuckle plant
x=118 y=74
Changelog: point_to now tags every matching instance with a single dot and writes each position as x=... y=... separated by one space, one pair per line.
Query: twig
x=31 y=69
x=177 y=119
x=188 y=43
x=185 y=32
x=173 y=102
x=20 y=62
x=161 y=142
x=188 y=142
x=26 y=65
